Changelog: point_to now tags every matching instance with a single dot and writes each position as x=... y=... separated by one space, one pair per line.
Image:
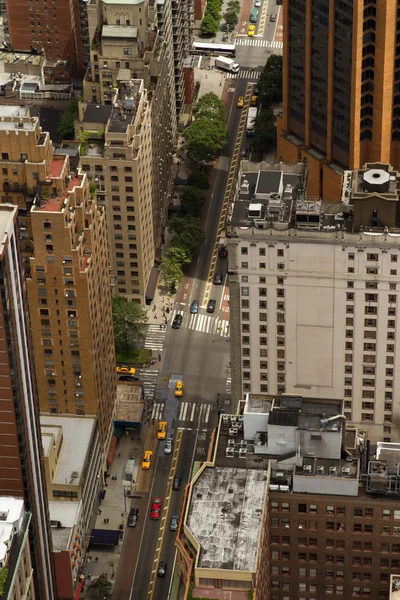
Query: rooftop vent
x=3 y=515
x=233 y=431
x=242 y=452
x=376 y=180
x=377 y=468
x=244 y=187
x=307 y=468
x=229 y=453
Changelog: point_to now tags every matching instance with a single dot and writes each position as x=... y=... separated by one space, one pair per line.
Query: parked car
x=211 y=306
x=240 y=102
x=146 y=462
x=176 y=323
x=272 y=18
x=177 y=482
x=251 y=31
x=128 y=378
x=194 y=307
x=162 y=568
x=223 y=252
x=257 y=3
x=173 y=526
x=125 y=370
x=156 y=508
x=168 y=447
x=133 y=517
x=218 y=277
x=162 y=430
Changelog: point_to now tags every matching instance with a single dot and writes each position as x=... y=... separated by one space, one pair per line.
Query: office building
x=313 y=291
x=59 y=29
x=21 y=468
x=340 y=92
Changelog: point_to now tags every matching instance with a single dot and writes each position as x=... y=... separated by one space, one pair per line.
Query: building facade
x=340 y=90
x=58 y=29
x=21 y=467
x=315 y=292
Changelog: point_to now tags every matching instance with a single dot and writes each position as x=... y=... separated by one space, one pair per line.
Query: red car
x=156 y=509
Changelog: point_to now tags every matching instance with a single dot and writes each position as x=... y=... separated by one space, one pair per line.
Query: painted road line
x=207 y=413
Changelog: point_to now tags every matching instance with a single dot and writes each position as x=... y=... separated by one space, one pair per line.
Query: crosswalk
x=247 y=74
x=155 y=337
x=204 y=323
x=188 y=412
x=248 y=41
x=149 y=377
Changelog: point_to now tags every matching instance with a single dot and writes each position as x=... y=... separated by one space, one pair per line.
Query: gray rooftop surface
x=225 y=516
x=268 y=181
x=97 y=113
x=258 y=404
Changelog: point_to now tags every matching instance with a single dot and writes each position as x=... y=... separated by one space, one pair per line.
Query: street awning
x=152 y=285
x=111 y=450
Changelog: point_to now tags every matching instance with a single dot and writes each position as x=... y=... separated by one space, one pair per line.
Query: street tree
x=265 y=137
x=231 y=20
x=210 y=106
x=206 y=138
x=189 y=234
x=198 y=180
x=99 y=588
x=130 y=321
x=192 y=200
x=209 y=25
x=171 y=265
x=270 y=82
x=214 y=8
x=65 y=126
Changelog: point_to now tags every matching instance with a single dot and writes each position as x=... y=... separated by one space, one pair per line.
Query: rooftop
x=7 y=214
x=97 y=113
x=325 y=467
x=125 y=106
x=11 y=512
x=258 y=404
x=14 y=124
x=129 y=405
x=9 y=112
x=56 y=204
x=225 y=517
x=56 y=166
x=63 y=517
x=77 y=437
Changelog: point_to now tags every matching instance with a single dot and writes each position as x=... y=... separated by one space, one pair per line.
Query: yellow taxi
x=251 y=31
x=254 y=101
x=240 y=102
x=146 y=462
x=179 y=389
x=162 y=430
x=125 y=370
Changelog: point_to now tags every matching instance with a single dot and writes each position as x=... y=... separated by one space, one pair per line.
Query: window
x=244 y=250
x=127 y=51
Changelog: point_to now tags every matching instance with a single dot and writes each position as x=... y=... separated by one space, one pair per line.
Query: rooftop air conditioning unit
x=231 y=443
x=346 y=470
x=241 y=419
x=243 y=443
x=283 y=488
x=229 y=453
x=233 y=421
x=232 y=431
x=225 y=419
x=307 y=468
x=321 y=470
x=273 y=487
x=242 y=452
x=332 y=470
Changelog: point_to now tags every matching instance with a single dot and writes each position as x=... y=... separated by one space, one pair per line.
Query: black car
x=211 y=306
x=256 y=91
x=128 y=378
x=162 y=568
x=177 y=482
x=133 y=517
x=194 y=307
x=218 y=279
x=176 y=323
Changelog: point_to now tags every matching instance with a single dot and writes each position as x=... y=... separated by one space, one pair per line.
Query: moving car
x=179 y=389
x=240 y=102
x=176 y=323
x=146 y=462
x=218 y=279
x=133 y=517
x=211 y=306
x=156 y=508
x=173 y=526
x=272 y=18
x=223 y=252
x=257 y=3
x=125 y=370
x=162 y=430
x=162 y=568
x=168 y=447
x=254 y=101
x=177 y=482
x=194 y=307
x=251 y=31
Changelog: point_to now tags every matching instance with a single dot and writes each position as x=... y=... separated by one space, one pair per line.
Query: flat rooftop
x=129 y=405
x=13 y=111
x=77 y=437
x=97 y=113
x=65 y=513
x=56 y=204
x=12 y=510
x=125 y=106
x=225 y=517
x=326 y=467
x=119 y=31
x=258 y=404
x=7 y=213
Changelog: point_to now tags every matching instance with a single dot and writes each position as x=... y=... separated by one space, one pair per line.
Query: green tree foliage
x=205 y=140
x=99 y=588
x=192 y=200
x=130 y=321
x=189 y=233
x=171 y=265
x=65 y=127
x=209 y=25
x=3 y=578
x=210 y=106
x=270 y=82
x=265 y=137
x=214 y=8
x=199 y=180
x=231 y=20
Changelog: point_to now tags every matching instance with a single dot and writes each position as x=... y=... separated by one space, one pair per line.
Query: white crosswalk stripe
x=155 y=337
x=149 y=378
x=228 y=385
x=204 y=323
x=248 y=41
x=189 y=411
x=247 y=74
x=157 y=411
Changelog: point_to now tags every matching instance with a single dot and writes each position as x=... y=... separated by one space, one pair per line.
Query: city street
x=200 y=350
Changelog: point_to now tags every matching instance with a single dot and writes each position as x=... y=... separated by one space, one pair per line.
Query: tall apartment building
x=64 y=245
x=59 y=28
x=21 y=467
x=132 y=73
x=340 y=88
x=314 y=291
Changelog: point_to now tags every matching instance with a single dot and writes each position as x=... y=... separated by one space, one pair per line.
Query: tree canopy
x=171 y=265
x=189 y=233
x=65 y=127
x=192 y=200
x=99 y=588
x=210 y=106
x=206 y=138
x=199 y=180
x=270 y=82
x=130 y=321
x=209 y=25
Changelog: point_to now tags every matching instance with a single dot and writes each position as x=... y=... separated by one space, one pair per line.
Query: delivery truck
x=228 y=64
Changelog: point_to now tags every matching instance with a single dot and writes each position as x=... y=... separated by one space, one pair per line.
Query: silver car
x=168 y=447
x=257 y=3
x=173 y=526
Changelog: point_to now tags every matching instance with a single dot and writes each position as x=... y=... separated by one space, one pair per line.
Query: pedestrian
x=99 y=511
x=160 y=326
x=154 y=307
x=108 y=520
x=119 y=455
x=159 y=357
x=104 y=520
x=163 y=298
x=155 y=316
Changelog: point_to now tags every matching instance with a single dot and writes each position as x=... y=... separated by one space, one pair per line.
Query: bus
x=211 y=49
x=254 y=16
x=251 y=121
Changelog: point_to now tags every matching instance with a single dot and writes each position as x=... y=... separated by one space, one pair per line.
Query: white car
x=168 y=447
x=257 y=3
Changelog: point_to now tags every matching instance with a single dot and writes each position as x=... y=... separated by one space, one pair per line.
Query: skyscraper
x=341 y=90
x=21 y=470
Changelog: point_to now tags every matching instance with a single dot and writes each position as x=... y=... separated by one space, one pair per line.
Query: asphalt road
x=203 y=359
